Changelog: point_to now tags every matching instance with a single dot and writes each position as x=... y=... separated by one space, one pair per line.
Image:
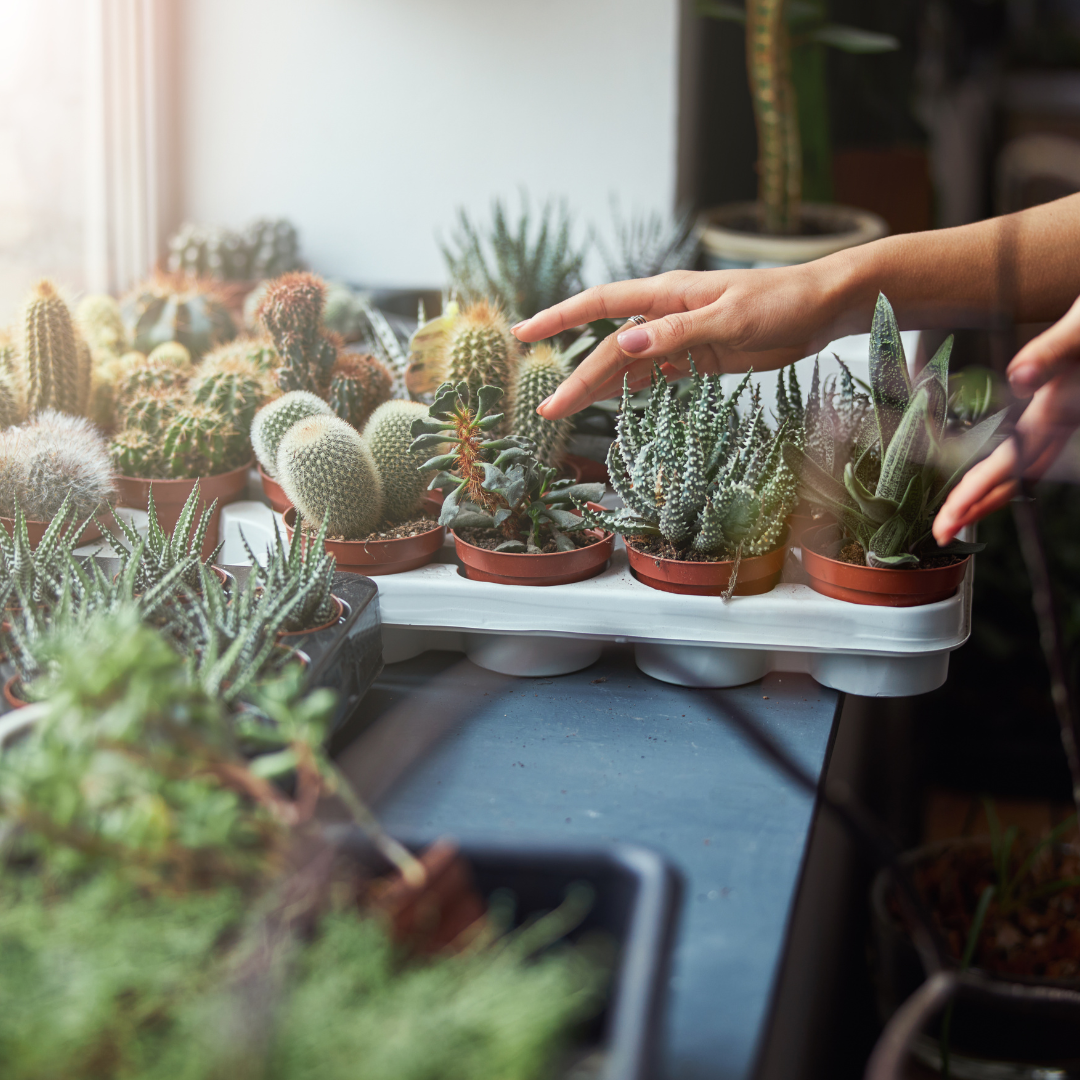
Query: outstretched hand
x=1047 y=370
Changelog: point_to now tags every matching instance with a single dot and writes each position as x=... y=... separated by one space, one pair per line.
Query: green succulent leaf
x=445 y=403
x=515 y=547
x=875 y=508
x=890 y=386
x=490 y=422
x=486 y=398
x=440 y=461
x=427 y=442
x=911 y=447
x=890 y=562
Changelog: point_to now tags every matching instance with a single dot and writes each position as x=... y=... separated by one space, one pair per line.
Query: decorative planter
x=375 y=557
x=36 y=530
x=878 y=587
x=730 y=240
x=757 y=573
x=170 y=496
x=287 y=636
x=274 y=492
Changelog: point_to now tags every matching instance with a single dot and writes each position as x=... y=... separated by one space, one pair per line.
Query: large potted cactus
x=707 y=492
x=514 y=522
x=177 y=307
x=880 y=550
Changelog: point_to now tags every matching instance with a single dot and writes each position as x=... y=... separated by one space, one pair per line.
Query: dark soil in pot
x=656 y=563
x=490 y=539
x=551 y=568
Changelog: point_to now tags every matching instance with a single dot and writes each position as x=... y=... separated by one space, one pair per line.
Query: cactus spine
x=328 y=473
x=270 y=423
x=50 y=353
x=135 y=453
x=99 y=321
x=11 y=402
x=359 y=384
x=480 y=350
x=153 y=410
x=538 y=375
x=388 y=436
x=291 y=311
x=199 y=442
x=233 y=387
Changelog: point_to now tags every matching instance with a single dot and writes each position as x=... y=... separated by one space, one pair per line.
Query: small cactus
x=152 y=411
x=86 y=374
x=201 y=442
x=135 y=453
x=388 y=436
x=538 y=375
x=174 y=307
x=232 y=386
x=11 y=400
x=101 y=325
x=172 y=354
x=327 y=472
x=291 y=311
x=270 y=423
x=343 y=314
x=50 y=354
x=480 y=350
x=359 y=384
x=136 y=380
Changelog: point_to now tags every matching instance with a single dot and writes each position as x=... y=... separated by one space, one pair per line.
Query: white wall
x=367 y=122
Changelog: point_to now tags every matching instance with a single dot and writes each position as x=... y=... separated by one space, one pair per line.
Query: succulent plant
x=344 y=312
x=265 y=248
x=274 y=247
x=177 y=308
x=50 y=354
x=134 y=452
x=172 y=354
x=327 y=472
x=359 y=383
x=538 y=375
x=647 y=245
x=12 y=406
x=101 y=325
x=919 y=466
x=693 y=472
x=388 y=435
x=270 y=423
x=291 y=311
x=258 y=352
x=153 y=410
x=145 y=376
x=199 y=441
x=9 y=353
x=479 y=349
x=232 y=386
x=36 y=573
x=51 y=459
x=514 y=492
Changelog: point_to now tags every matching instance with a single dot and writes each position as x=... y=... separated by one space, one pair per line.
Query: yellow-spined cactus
x=538 y=375
x=50 y=353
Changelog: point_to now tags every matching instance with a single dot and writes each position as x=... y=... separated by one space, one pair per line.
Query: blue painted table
x=610 y=754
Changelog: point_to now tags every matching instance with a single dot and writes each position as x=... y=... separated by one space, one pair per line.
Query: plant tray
x=637 y=895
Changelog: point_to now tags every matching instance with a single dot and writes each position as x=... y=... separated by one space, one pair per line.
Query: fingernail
x=517 y=326
x=1023 y=376
x=543 y=403
x=633 y=341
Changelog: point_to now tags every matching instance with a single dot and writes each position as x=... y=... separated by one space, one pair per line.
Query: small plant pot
x=275 y=494
x=800 y=523
x=556 y=568
x=375 y=557
x=757 y=573
x=874 y=586
x=170 y=496
x=586 y=470
x=286 y=636
x=13 y=693
x=36 y=530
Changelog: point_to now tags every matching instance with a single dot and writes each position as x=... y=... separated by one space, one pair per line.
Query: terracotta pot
x=375 y=557
x=279 y=501
x=36 y=530
x=874 y=586
x=586 y=470
x=339 y=612
x=13 y=688
x=170 y=496
x=800 y=522
x=757 y=573
x=557 y=568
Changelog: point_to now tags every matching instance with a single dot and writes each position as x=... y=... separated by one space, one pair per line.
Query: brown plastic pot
x=376 y=557
x=875 y=586
x=36 y=530
x=12 y=688
x=757 y=573
x=800 y=522
x=586 y=470
x=275 y=494
x=170 y=496
x=339 y=611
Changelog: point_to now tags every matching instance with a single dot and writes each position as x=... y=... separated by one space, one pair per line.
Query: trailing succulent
x=694 y=472
x=513 y=493
x=890 y=515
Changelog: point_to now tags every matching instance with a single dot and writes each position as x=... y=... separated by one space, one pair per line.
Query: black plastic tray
x=637 y=903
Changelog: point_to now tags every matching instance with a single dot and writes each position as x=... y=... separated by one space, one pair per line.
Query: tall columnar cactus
x=292 y=312
x=270 y=423
x=173 y=307
x=12 y=407
x=9 y=353
x=538 y=375
x=86 y=375
x=50 y=353
x=327 y=472
x=232 y=386
x=359 y=384
x=388 y=435
x=480 y=350
x=200 y=442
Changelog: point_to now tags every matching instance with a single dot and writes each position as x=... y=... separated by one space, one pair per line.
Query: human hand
x=730 y=319
x=1046 y=369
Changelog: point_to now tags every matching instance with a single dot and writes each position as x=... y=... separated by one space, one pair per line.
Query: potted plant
x=780 y=228
x=880 y=549
x=514 y=523
x=706 y=491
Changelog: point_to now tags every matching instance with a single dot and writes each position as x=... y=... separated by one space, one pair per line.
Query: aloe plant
x=514 y=493
x=919 y=463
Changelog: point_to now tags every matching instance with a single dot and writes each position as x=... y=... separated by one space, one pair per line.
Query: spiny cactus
x=53 y=456
x=359 y=384
x=343 y=314
x=480 y=350
x=174 y=307
x=292 y=311
x=135 y=453
x=259 y=352
x=266 y=247
x=100 y=323
x=9 y=353
x=270 y=423
x=327 y=472
x=11 y=400
x=152 y=410
x=201 y=442
x=50 y=354
x=232 y=386
x=388 y=435
x=538 y=375
x=85 y=372
x=173 y=354
x=136 y=380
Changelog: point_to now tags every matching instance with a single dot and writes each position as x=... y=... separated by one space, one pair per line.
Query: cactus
x=201 y=442
x=50 y=354
x=359 y=384
x=100 y=323
x=50 y=457
x=252 y=303
x=343 y=314
x=86 y=374
x=11 y=400
x=152 y=410
x=172 y=354
x=263 y=249
x=135 y=453
x=9 y=353
x=388 y=435
x=274 y=247
x=177 y=308
x=291 y=311
x=147 y=377
x=232 y=386
x=480 y=350
x=270 y=423
x=327 y=472
x=538 y=375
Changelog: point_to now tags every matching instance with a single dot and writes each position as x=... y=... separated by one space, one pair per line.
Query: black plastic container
x=637 y=903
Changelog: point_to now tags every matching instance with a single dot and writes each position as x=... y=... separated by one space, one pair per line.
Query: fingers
x=592 y=381
x=1054 y=351
x=986 y=487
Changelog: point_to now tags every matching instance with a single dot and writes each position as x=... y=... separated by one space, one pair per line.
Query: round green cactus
x=99 y=320
x=173 y=354
x=135 y=453
x=359 y=384
x=327 y=472
x=201 y=442
x=152 y=410
x=538 y=375
x=11 y=401
x=388 y=435
x=50 y=354
x=270 y=423
x=231 y=387
x=177 y=308
x=480 y=350
x=138 y=378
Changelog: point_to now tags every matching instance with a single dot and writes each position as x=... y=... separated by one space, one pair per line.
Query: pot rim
x=690 y=563
x=172 y=483
x=9 y=692
x=339 y=614
x=811 y=534
x=604 y=535
x=364 y=544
